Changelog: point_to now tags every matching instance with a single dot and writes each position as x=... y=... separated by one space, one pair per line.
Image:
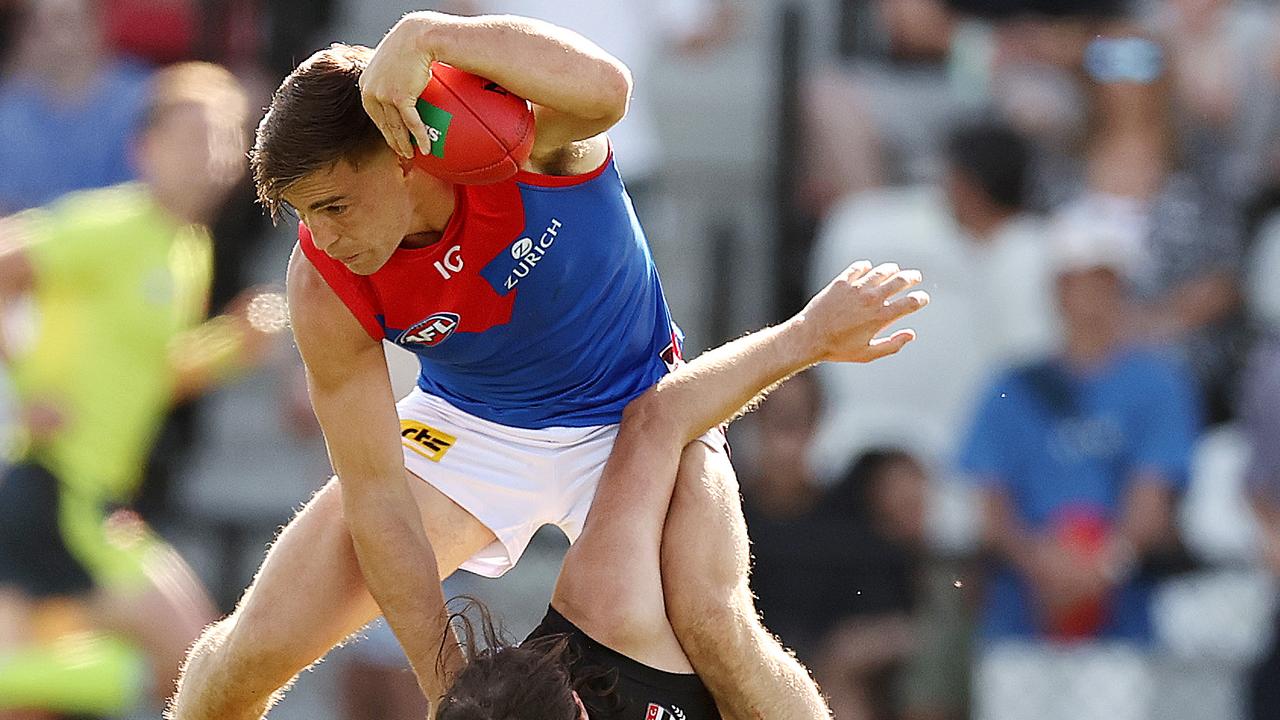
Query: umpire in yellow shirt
x=118 y=280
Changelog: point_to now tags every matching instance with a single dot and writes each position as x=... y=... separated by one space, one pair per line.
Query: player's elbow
x=648 y=417
x=612 y=91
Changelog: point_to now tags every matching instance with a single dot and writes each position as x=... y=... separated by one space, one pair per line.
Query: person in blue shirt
x=67 y=108
x=1079 y=459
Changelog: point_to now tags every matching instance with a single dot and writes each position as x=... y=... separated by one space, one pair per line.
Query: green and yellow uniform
x=117 y=283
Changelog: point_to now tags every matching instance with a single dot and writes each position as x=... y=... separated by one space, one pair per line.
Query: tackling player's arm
x=578 y=90
x=351 y=394
x=840 y=324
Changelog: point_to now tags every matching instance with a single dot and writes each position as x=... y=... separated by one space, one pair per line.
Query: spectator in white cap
x=1078 y=460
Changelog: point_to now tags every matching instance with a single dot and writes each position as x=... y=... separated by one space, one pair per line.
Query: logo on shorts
x=431 y=331
x=437 y=121
x=657 y=712
x=425 y=440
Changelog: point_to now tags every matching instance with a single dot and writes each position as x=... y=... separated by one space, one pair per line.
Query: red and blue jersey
x=540 y=306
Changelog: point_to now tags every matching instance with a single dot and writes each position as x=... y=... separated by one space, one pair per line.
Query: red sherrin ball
x=480 y=133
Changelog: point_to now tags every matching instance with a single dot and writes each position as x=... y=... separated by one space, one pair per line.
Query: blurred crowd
x=1063 y=501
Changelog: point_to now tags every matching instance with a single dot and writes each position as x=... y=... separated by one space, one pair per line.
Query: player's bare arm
x=352 y=397
x=577 y=89
x=842 y=323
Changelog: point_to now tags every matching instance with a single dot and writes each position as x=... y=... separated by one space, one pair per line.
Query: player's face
x=358 y=213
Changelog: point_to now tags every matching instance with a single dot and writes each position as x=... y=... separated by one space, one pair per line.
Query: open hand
x=846 y=317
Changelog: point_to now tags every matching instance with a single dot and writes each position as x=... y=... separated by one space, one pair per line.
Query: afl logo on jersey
x=431 y=331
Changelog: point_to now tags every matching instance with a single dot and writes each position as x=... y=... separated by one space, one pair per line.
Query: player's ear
x=406 y=164
x=582 y=709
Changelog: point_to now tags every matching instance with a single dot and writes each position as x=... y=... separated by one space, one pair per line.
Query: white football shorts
x=513 y=480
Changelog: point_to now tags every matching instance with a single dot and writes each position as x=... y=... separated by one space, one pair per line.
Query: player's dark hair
x=531 y=681
x=315 y=119
x=995 y=157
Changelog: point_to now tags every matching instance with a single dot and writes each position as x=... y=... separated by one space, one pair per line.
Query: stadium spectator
x=782 y=501
x=118 y=278
x=1260 y=417
x=67 y=108
x=155 y=31
x=982 y=249
x=1224 y=89
x=874 y=537
x=1078 y=459
x=843 y=574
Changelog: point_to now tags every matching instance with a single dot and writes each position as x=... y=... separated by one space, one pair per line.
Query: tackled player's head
x=318 y=152
x=531 y=681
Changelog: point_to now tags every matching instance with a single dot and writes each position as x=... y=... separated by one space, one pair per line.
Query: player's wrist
x=802 y=340
x=425 y=30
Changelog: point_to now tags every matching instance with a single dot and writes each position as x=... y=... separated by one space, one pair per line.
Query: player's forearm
x=543 y=63
x=721 y=383
x=400 y=570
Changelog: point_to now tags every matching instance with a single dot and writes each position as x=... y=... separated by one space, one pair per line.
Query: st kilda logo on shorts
x=430 y=332
x=658 y=712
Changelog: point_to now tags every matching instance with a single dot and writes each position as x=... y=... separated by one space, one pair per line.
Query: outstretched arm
x=840 y=324
x=611 y=583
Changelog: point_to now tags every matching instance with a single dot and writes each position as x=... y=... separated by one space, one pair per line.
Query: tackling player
x=605 y=650
x=526 y=366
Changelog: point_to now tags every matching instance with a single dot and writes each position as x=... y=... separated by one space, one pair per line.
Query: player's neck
x=434 y=202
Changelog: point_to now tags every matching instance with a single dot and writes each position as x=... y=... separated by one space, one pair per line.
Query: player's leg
x=308 y=596
x=706 y=561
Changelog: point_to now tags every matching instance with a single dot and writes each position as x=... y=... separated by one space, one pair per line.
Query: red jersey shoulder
x=348 y=286
x=418 y=286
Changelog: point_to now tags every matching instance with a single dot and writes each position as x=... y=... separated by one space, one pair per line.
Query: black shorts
x=34 y=557
x=640 y=692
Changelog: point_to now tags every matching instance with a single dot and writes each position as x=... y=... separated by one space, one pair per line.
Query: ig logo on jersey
x=432 y=331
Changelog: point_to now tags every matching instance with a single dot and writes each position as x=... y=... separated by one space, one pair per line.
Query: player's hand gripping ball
x=480 y=133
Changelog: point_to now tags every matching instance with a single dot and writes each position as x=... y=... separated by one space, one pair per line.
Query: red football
x=480 y=133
